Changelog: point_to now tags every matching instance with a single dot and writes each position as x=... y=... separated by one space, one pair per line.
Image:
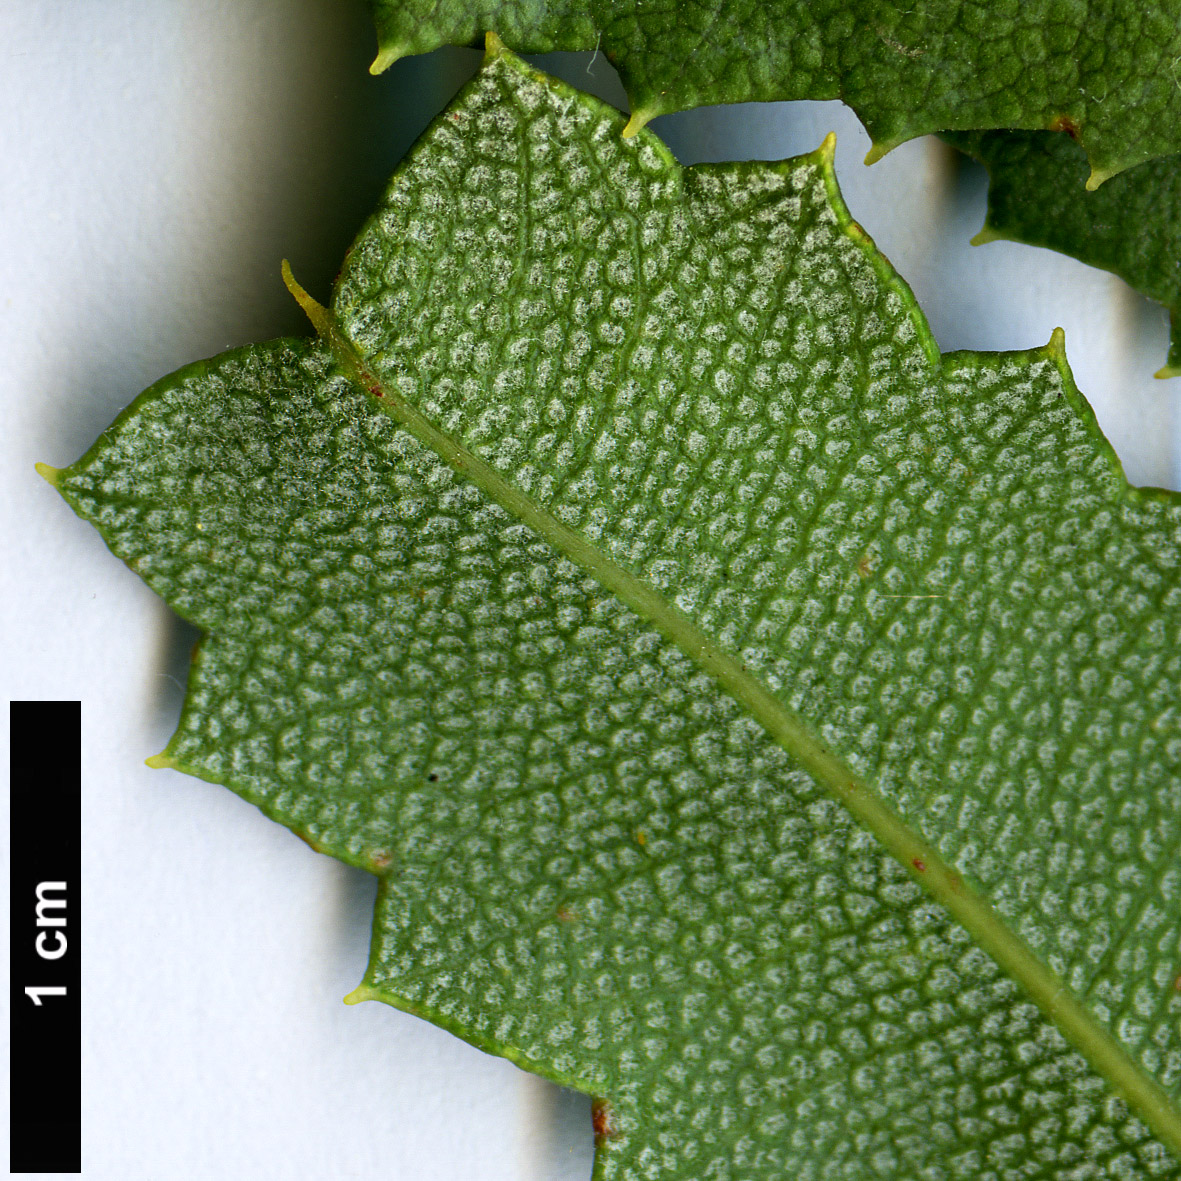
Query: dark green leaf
x=1107 y=74
x=1131 y=226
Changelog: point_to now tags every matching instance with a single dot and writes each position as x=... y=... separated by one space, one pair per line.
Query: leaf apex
x=363 y=992
x=493 y=46
x=50 y=474
x=1165 y=371
x=827 y=152
x=162 y=762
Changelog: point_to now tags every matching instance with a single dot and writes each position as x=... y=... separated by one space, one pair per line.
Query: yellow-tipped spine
x=988 y=234
x=316 y=312
x=1056 y=345
x=878 y=149
x=1098 y=176
x=638 y=121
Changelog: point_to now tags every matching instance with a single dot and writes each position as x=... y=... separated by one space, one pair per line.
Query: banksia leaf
x=756 y=719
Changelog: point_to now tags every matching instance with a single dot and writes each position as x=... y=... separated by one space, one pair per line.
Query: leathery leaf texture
x=1131 y=226
x=1106 y=73
x=757 y=720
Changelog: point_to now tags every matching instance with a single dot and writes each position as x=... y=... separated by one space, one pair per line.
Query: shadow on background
x=355 y=893
x=306 y=144
x=206 y=159
x=558 y=1138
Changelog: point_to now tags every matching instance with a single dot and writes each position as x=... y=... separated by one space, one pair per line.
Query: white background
x=156 y=163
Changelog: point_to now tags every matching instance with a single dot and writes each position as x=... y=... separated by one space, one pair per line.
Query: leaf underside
x=1131 y=226
x=593 y=859
x=1106 y=74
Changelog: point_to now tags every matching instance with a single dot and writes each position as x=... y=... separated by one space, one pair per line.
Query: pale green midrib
x=1108 y=1057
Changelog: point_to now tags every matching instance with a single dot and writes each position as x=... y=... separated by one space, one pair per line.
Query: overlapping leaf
x=1107 y=73
x=756 y=719
x=1131 y=226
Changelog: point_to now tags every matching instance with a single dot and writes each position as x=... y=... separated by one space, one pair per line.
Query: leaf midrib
x=918 y=857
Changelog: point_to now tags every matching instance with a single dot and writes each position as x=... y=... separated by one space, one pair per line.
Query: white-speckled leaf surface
x=593 y=858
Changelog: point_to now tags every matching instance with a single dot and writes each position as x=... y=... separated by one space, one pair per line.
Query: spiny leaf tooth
x=1055 y=350
x=315 y=311
x=48 y=473
x=988 y=234
x=880 y=148
x=1099 y=175
x=386 y=56
x=640 y=119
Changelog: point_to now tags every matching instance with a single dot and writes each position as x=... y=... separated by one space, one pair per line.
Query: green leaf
x=1131 y=226
x=755 y=718
x=1106 y=74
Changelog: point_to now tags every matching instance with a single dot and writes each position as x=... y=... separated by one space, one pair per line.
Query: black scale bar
x=45 y=987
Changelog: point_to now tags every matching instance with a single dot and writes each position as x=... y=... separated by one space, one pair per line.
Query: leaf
x=1131 y=226
x=1106 y=74
x=756 y=719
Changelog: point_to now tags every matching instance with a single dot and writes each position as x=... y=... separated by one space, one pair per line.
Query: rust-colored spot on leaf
x=565 y=914
x=641 y=839
x=374 y=389
x=1065 y=123
x=863 y=566
x=380 y=859
x=601 y=1118
x=921 y=866
x=1177 y=983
